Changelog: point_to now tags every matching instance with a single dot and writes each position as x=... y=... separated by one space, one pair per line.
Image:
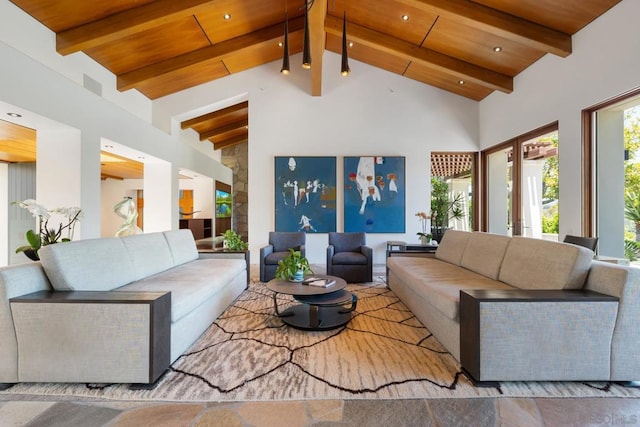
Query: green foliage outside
x=550 y=221
x=442 y=208
x=550 y=188
x=632 y=184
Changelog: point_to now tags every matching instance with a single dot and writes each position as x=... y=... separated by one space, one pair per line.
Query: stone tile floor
x=388 y=413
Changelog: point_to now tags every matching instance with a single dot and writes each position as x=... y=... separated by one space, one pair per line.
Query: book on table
x=316 y=281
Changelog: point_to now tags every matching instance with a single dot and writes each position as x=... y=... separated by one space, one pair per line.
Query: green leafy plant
x=291 y=264
x=233 y=241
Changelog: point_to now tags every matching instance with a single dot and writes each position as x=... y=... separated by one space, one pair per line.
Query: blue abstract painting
x=305 y=194
x=374 y=194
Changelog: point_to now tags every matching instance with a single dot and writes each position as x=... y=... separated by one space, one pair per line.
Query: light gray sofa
x=523 y=309
x=111 y=310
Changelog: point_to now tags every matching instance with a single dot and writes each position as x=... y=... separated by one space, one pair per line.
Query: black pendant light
x=285 y=56
x=344 y=70
x=306 y=49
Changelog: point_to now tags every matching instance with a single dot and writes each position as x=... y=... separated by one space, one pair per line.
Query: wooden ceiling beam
x=241 y=124
x=214 y=115
x=230 y=141
x=427 y=57
x=208 y=54
x=499 y=23
x=317 y=38
x=126 y=23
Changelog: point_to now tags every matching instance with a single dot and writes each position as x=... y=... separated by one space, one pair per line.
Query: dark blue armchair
x=279 y=244
x=349 y=257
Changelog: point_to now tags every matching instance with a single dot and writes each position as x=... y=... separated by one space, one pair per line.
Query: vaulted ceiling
x=164 y=46
x=469 y=47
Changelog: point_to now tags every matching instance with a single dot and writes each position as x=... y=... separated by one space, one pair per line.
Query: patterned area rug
x=384 y=352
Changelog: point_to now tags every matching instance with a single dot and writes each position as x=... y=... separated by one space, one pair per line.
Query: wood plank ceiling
x=468 y=47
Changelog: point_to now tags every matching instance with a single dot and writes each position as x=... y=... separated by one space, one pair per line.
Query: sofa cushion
x=182 y=245
x=452 y=246
x=439 y=283
x=349 y=258
x=149 y=253
x=191 y=284
x=484 y=253
x=540 y=264
x=274 y=257
x=282 y=241
x=88 y=265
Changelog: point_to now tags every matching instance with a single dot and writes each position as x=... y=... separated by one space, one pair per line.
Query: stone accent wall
x=236 y=158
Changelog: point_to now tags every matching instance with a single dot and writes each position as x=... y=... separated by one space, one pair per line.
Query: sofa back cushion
x=149 y=253
x=347 y=242
x=88 y=265
x=283 y=240
x=182 y=245
x=484 y=253
x=452 y=246
x=540 y=264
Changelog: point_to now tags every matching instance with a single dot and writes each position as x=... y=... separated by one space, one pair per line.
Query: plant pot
x=31 y=254
x=423 y=240
x=298 y=277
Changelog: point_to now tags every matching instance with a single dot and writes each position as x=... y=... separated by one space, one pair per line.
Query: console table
x=398 y=248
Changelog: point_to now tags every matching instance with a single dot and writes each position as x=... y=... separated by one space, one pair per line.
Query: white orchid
x=38 y=211
x=46 y=235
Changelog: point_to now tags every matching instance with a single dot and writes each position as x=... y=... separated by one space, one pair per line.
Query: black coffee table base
x=316 y=313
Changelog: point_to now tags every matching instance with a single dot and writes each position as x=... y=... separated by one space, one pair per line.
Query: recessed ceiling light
x=405 y=17
x=460 y=82
x=227 y=16
x=350 y=44
x=14 y=115
x=497 y=49
x=279 y=44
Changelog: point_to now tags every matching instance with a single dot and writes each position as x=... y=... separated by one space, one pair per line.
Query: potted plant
x=443 y=208
x=293 y=267
x=47 y=235
x=425 y=238
x=233 y=242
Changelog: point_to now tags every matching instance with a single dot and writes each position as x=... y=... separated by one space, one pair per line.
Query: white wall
x=4 y=214
x=33 y=88
x=371 y=112
x=604 y=63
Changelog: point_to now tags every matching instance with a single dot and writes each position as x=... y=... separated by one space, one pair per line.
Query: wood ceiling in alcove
x=223 y=128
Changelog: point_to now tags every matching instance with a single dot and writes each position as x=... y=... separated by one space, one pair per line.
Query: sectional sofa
x=523 y=309
x=111 y=310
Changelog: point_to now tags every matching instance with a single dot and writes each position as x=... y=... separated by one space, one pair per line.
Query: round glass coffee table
x=320 y=308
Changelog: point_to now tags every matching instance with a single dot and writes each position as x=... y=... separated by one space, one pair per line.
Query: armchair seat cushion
x=349 y=258
x=274 y=257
